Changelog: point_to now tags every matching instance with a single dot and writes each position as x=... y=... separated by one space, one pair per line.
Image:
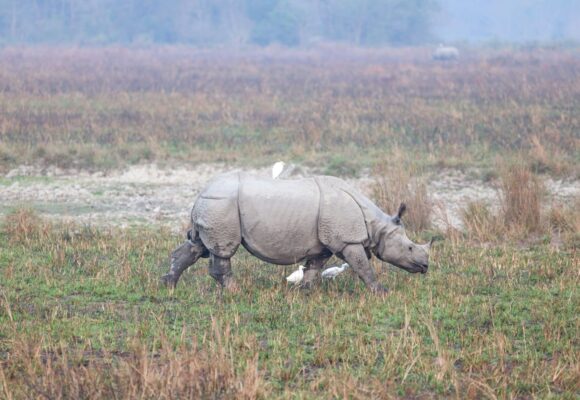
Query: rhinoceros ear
x=402 y=209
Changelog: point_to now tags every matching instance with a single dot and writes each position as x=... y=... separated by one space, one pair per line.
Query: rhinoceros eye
x=410 y=248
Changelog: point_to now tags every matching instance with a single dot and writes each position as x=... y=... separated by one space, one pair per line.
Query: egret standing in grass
x=277 y=169
x=333 y=272
x=296 y=276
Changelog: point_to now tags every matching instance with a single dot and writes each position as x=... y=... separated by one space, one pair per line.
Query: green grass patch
x=464 y=328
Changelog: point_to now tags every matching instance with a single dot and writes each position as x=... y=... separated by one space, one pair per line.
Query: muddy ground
x=148 y=194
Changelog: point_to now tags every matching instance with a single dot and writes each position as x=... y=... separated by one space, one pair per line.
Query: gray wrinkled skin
x=289 y=221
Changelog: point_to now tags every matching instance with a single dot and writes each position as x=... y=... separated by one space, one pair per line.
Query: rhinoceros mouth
x=418 y=268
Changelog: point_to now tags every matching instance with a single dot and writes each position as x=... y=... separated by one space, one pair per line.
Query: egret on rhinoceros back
x=289 y=221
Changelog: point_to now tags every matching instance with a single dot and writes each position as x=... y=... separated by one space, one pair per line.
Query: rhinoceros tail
x=194 y=239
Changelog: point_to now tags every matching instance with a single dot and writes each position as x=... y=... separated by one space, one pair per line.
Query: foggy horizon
x=291 y=23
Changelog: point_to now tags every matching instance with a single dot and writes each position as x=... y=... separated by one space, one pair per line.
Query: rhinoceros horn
x=430 y=243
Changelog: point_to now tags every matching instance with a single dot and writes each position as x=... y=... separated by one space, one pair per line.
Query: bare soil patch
x=149 y=194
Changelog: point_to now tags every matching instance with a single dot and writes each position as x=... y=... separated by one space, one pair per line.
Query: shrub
x=520 y=210
x=521 y=194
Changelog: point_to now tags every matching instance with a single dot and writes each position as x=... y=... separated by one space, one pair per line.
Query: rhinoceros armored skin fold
x=279 y=218
x=216 y=217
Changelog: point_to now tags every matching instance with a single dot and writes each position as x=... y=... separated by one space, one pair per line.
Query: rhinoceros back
x=280 y=221
x=279 y=218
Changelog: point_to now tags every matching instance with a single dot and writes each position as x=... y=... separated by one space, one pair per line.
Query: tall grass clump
x=480 y=222
x=24 y=225
x=565 y=218
x=520 y=214
x=521 y=195
x=544 y=160
x=564 y=222
x=396 y=184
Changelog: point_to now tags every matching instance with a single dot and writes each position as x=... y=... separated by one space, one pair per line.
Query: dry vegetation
x=522 y=213
x=521 y=199
x=343 y=107
x=82 y=314
x=398 y=182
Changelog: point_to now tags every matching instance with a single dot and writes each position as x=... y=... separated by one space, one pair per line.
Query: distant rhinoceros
x=445 y=53
x=289 y=221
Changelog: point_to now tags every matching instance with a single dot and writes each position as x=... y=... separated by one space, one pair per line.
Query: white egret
x=333 y=272
x=296 y=276
x=277 y=169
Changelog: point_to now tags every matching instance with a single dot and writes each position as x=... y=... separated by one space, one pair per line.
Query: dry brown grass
x=522 y=211
x=565 y=218
x=109 y=107
x=82 y=315
x=34 y=370
x=397 y=182
x=547 y=160
x=24 y=225
x=481 y=224
x=564 y=223
x=521 y=196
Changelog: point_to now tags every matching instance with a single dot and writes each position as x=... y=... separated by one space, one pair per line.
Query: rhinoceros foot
x=379 y=290
x=306 y=286
x=311 y=278
x=230 y=284
x=168 y=280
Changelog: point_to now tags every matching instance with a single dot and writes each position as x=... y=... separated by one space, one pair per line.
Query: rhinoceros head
x=394 y=247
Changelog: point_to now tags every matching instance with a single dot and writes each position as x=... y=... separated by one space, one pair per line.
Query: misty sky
x=508 y=20
x=239 y=23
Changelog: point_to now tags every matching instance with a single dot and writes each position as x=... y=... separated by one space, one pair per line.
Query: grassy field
x=83 y=316
x=82 y=313
x=343 y=109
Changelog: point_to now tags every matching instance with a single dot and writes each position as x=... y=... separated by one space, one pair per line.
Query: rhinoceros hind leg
x=183 y=257
x=356 y=256
x=220 y=269
x=312 y=271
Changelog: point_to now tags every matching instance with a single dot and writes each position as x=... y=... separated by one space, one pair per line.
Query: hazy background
x=287 y=22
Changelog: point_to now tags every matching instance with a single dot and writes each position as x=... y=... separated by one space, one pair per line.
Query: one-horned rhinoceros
x=289 y=221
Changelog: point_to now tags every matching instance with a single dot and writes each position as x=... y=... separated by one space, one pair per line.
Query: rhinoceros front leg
x=356 y=256
x=312 y=271
x=221 y=270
